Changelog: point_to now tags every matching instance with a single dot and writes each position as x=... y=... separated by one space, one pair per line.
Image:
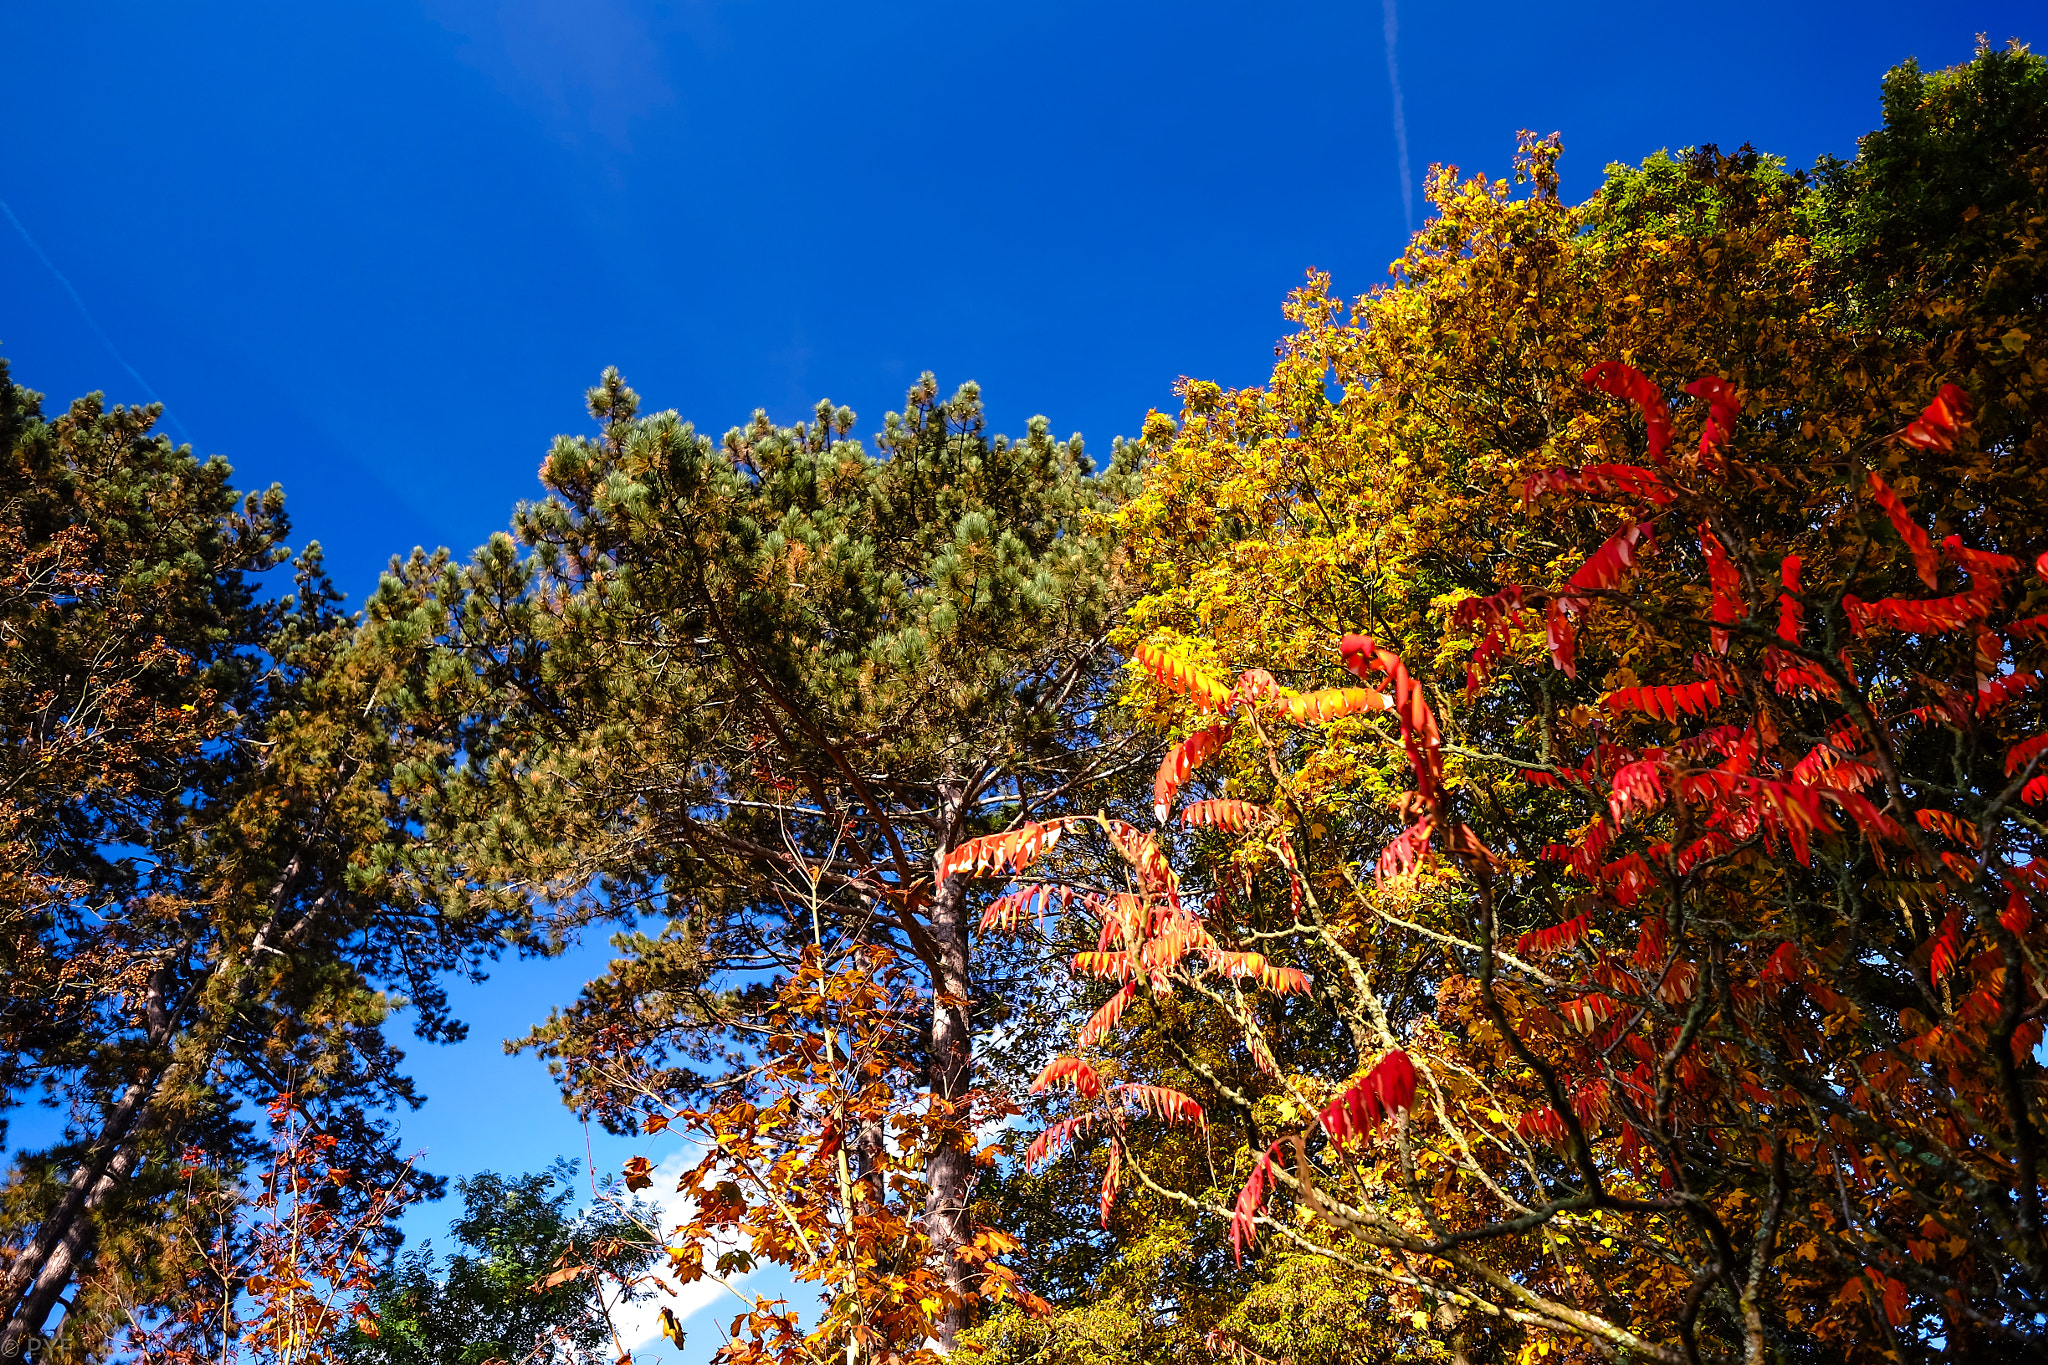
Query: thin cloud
x=1393 y=30
x=589 y=65
x=86 y=313
x=639 y=1322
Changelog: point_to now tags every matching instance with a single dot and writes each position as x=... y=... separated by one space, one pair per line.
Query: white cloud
x=639 y=1324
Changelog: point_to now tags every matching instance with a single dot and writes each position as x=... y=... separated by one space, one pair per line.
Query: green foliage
x=753 y=688
x=491 y=1299
x=1928 y=202
x=198 y=815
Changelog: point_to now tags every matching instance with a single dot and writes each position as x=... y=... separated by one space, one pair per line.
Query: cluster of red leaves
x=1009 y=852
x=1723 y=405
x=1730 y=788
x=1625 y=382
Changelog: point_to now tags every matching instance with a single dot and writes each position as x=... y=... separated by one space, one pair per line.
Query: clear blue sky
x=376 y=251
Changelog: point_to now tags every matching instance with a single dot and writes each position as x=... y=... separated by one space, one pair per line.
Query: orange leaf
x=1181 y=760
x=1072 y=1071
x=1113 y=966
x=1105 y=1018
x=1235 y=816
x=1161 y=1102
x=1333 y=702
x=1008 y=853
x=1182 y=675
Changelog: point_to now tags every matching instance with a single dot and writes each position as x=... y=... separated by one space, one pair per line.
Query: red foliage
x=1181 y=760
x=1072 y=1071
x=1387 y=1088
x=1161 y=1102
x=1105 y=1018
x=1722 y=407
x=1625 y=382
x=1689 y=699
x=1940 y=420
x=1234 y=816
x=1908 y=529
x=1727 y=587
x=1556 y=938
x=1010 y=852
x=1252 y=1199
x=1608 y=481
x=1056 y=1138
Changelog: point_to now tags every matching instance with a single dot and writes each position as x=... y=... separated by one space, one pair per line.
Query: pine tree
x=196 y=824
x=702 y=678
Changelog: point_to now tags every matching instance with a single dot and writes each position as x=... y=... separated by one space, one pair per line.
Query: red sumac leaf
x=1105 y=1018
x=1162 y=1102
x=1601 y=480
x=1009 y=911
x=1953 y=826
x=1072 y=1071
x=1946 y=946
x=1251 y=1200
x=1588 y=1012
x=1687 y=699
x=1109 y=1179
x=1722 y=408
x=1939 y=421
x=1626 y=382
x=1924 y=560
x=2024 y=752
x=1998 y=691
x=1556 y=938
x=1330 y=703
x=1111 y=966
x=1358 y=1109
x=1234 y=816
x=1181 y=760
x=1008 y=853
x=1405 y=853
x=1055 y=1139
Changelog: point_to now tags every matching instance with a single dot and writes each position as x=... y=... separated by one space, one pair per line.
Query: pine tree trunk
x=63 y=1260
x=950 y=1170
x=37 y=1278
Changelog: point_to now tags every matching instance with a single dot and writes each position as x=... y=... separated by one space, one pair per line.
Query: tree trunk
x=35 y=1308
x=949 y=1171
x=39 y=1274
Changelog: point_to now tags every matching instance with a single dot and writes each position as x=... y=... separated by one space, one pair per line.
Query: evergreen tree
x=196 y=811
x=703 y=678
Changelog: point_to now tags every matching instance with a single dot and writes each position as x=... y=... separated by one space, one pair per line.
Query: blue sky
x=377 y=251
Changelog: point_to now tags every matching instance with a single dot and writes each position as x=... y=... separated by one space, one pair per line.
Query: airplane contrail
x=86 y=313
x=1393 y=29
